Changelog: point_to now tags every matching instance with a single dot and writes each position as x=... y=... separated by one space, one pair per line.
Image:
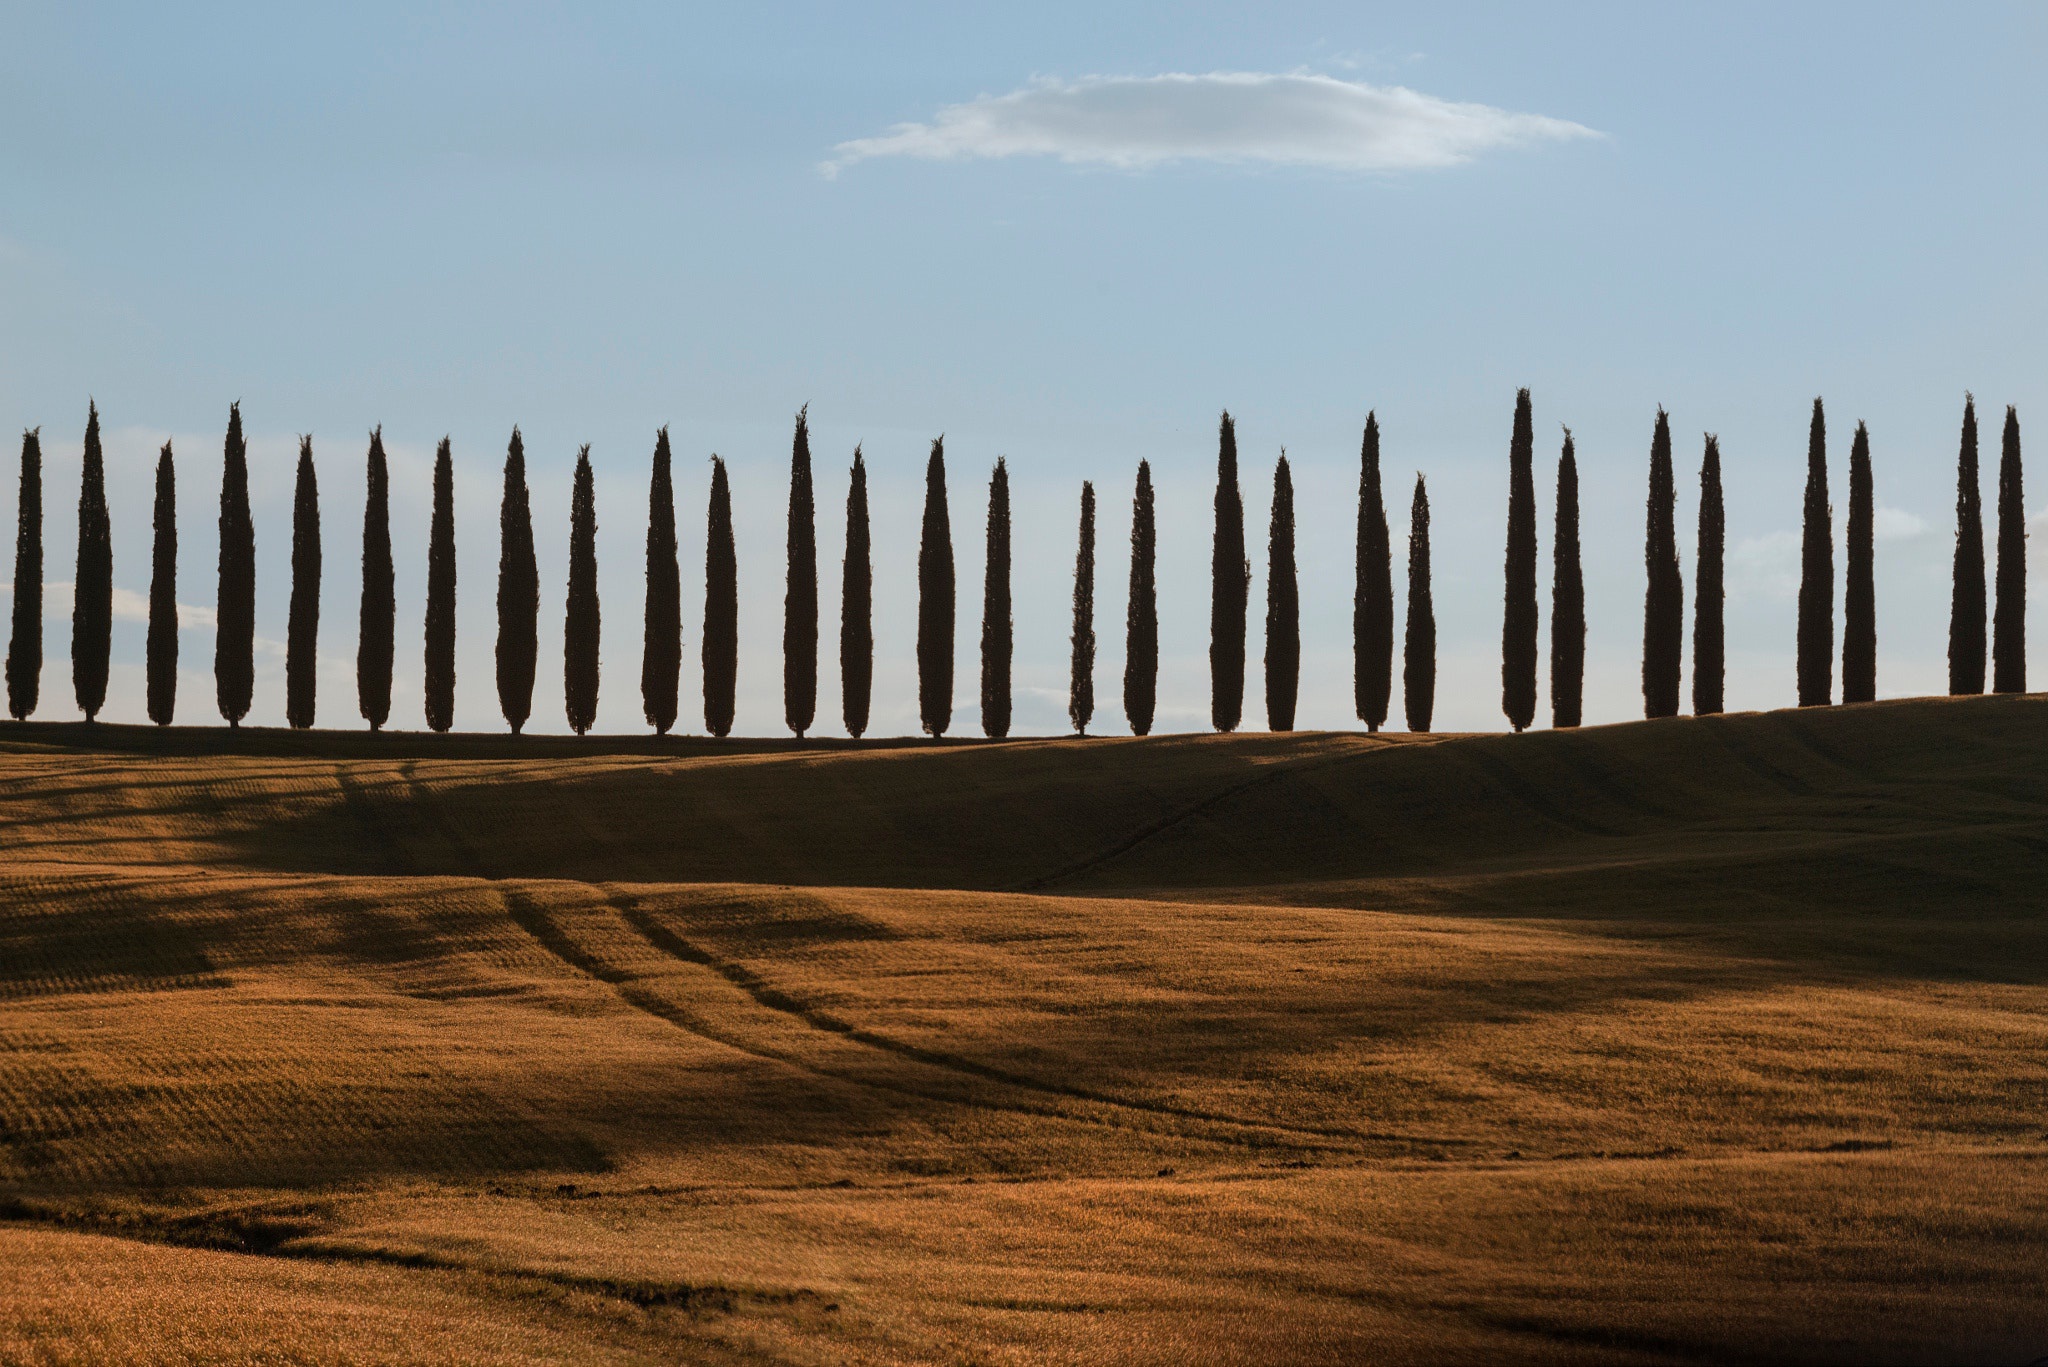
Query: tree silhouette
x=302 y=627
x=996 y=631
x=440 y=661
x=1518 y=617
x=1230 y=588
x=1372 y=597
x=1567 y=599
x=1081 y=679
x=1664 y=598
x=25 y=644
x=1817 y=574
x=582 y=628
x=234 y=642
x=518 y=648
x=2009 y=608
x=1141 y=627
x=661 y=650
x=721 y=650
x=1709 y=648
x=856 y=604
x=1966 y=603
x=935 y=600
x=1283 y=606
x=380 y=605
x=1859 y=594
x=161 y=652
x=1418 y=665
x=800 y=602
x=92 y=604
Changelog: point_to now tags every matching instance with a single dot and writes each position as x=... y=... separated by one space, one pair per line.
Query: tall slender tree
x=1664 y=598
x=996 y=630
x=1817 y=574
x=582 y=627
x=1230 y=588
x=935 y=600
x=25 y=644
x=1518 y=618
x=1372 y=596
x=160 y=690
x=661 y=652
x=856 y=604
x=1141 y=626
x=800 y=601
x=1709 y=644
x=1966 y=603
x=440 y=660
x=234 y=642
x=2009 y=609
x=721 y=649
x=92 y=604
x=1859 y=593
x=1081 y=679
x=1567 y=599
x=518 y=649
x=302 y=627
x=379 y=615
x=1283 y=606
x=1418 y=665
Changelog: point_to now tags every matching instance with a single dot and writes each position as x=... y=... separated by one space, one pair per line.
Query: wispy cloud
x=1294 y=119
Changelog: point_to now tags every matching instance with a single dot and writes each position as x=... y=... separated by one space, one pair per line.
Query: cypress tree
x=1966 y=602
x=1081 y=681
x=1230 y=588
x=92 y=604
x=1283 y=606
x=935 y=600
x=518 y=648
x=856 y=602
x=25 y=644
x=996 y=633
x=302 y=628
x=1567 y=599
x=1817 y=574
x=1141 y=629
x=2009 y=608
x=661 y=654
x=440 y=661
x=1709 y=646
x=800 y=601
x=1518 y=618
x=1859 y=594
x=1372 y=597
x=581 y=629
x=1664 y=598
x=161 y=676
x=234 y=642
x=1418 y=665
x=721 y=607
x=379 y=614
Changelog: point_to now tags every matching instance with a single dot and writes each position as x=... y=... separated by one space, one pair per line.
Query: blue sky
x=450 y=219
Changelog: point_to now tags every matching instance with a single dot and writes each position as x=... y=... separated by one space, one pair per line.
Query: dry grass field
x=1690 y=1041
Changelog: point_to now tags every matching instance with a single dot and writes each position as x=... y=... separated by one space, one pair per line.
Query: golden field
x=1701 y=1040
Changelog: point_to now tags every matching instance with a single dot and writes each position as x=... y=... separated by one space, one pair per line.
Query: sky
x=1067 y=235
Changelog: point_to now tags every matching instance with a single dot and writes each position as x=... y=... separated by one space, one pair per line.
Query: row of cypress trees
x=1373 y=608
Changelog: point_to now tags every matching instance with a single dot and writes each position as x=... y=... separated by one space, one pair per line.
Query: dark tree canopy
x=1518 y=617
x=379 y=604
x=800 y=601
x=161 y=651
x=721 y=648
x=582 y=628
x=1859 y=593
x=661 y=652
x=518 y=648
x=25 y=643
x=234 y=648
x=935 y=600
x=1709 y=645
x=996 y=630
x=1081 y=677
x=440 y=659
x=1141 y=628
x=856 y=606
x=2009 y=608
x=1966 y=646
x=302 y=626
x=1230 y=588
x=1283 y=606
x=1418 y=665
x=1664 y=598
x=92 y=604
x=1372 y=598
x=1816 y=664
x=1567 y=599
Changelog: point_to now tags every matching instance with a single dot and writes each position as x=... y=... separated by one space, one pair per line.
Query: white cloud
x=1896 y=524
x=1132 y=122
